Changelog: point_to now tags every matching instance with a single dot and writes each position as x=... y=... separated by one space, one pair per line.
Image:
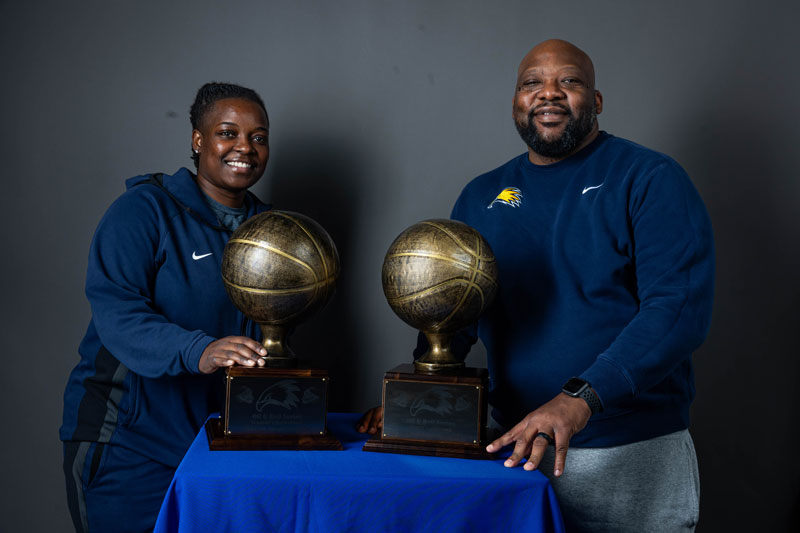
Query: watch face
x=574 y=385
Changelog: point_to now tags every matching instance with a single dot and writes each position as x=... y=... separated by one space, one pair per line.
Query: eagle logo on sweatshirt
x=509 y=196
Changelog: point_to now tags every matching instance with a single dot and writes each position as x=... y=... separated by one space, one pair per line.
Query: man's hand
x=560 y=418
x=371 y=422
x=229 y=351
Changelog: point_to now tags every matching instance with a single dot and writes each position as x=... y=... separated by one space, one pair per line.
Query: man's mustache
x=567 y=111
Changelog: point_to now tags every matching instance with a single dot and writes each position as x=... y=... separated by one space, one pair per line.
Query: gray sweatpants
x=648 y=486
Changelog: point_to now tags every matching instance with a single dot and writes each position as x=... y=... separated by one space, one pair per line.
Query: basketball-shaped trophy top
x=280 y=267
x=439 y=276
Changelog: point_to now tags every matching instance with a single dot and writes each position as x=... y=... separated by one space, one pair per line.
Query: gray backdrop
x=380 y=113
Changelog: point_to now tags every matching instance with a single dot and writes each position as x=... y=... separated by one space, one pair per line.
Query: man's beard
x=573 y=135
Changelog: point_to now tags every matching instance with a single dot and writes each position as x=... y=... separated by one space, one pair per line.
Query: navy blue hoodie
x=606 y=271
x=157 y=300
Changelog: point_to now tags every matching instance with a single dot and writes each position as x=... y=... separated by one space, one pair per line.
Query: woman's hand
x=229 y=351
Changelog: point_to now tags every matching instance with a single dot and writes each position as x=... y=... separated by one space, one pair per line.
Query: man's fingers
x=521 y=449
x=371 y=421
x=363 y=422
x=538 y=448
x=377 y=420
x=366 y=421
x=562 y=445
x=504 y=440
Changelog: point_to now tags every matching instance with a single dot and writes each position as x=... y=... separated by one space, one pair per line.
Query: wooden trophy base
x=273 y=409
x=442 y=415
x=431 y=448
x=217 y=440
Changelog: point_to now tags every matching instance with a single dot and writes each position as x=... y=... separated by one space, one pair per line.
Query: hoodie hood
x=182 y=188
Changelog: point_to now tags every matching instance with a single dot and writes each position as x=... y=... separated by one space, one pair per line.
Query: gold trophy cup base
x=437 y=368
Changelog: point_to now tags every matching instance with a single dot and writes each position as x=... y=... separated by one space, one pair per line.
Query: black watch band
x=580 y=388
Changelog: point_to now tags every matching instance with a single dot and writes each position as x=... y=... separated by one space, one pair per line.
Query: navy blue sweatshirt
x=157 y=300
x=606 y=270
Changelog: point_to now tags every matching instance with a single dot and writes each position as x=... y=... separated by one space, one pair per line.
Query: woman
x=162 y=324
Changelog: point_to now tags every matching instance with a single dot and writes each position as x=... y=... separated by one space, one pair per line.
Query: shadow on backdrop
x=319 y=177
x=743 y=419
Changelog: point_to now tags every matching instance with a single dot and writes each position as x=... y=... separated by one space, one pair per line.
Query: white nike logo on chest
x=196 y=257
x=585 y=190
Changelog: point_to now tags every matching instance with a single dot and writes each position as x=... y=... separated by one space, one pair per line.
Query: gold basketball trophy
x=278 y=268
x=438 y=276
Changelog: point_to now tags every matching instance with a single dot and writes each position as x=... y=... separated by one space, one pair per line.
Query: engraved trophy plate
x=271 y=405
x=417 y=410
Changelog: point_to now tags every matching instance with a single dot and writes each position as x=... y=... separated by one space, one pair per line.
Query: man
x=605 y=256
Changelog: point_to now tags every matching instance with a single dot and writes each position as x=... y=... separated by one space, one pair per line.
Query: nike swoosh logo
x=590 y=188
x=196 y=257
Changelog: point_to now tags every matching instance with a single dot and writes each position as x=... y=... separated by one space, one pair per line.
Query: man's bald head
x=564 y=51
x=555 y=103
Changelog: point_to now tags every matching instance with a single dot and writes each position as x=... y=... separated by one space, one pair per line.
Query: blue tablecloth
x=351 y=490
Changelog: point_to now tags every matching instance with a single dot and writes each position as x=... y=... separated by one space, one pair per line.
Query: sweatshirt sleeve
x=674 y=265
x=121 y=275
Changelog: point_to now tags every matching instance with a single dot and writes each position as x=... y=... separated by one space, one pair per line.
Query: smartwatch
x=580 y=388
